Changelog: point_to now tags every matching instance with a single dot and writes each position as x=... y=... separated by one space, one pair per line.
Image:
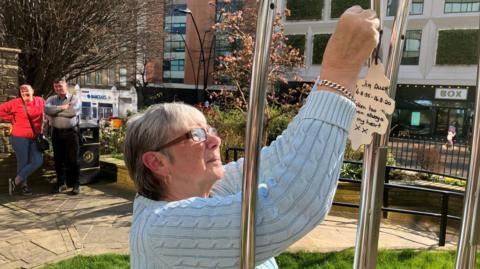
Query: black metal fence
x=443 y=195
x=431 y=155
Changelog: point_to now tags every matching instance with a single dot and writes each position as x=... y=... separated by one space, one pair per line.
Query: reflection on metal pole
x=375 y=157
x=467 y=243
x=258 y=88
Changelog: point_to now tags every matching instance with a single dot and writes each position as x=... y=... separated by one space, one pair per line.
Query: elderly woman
x=187 y=211
x=29 y=158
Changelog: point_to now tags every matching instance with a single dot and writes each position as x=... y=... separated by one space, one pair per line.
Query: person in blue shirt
x=188 y=208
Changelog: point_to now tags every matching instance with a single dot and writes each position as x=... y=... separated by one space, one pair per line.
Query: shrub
x=297 y=42
x=457 y=47
x=355 y=171
x=112 y=140
x=231 y=125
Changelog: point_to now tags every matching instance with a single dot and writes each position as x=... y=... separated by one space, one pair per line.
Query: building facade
x=107 y=93
x=190 y=47
x=437 y=75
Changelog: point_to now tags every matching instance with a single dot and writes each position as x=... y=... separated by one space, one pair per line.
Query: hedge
x=319 y=45
x=339 y=6
x=297 y=41
x=457 y=47
x=305 y=9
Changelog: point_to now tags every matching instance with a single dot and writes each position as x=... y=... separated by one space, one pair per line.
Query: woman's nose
x=213 y=141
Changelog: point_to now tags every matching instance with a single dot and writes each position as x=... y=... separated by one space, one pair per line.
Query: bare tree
x=69 y=38
x=150 y=42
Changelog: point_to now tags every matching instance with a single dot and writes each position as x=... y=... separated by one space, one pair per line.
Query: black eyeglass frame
x=189 y=135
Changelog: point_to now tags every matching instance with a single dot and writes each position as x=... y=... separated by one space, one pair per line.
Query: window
x=173 y=65
x=111 y=76
x=305 y=9
x=123 y=76
x=172 y=10
x=98 y=77
x=416 y=7
x=411 y=49
x=177 y=65
x=339 y=6
x=176 y=27
x=175 y=46
x=297 y=41
x=232 y=6
x=462 y=6
x=319 y=46
x=89 y=79
x=222 y=46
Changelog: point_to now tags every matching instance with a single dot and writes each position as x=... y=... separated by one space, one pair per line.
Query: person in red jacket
x=29 y=158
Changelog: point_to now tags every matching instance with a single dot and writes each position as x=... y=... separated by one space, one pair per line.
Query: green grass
x=110 y=261
x=387 y=259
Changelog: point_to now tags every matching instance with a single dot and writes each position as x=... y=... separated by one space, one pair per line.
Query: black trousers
x=65 y=154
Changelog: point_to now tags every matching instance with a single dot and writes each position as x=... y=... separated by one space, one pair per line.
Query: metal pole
x=467 y=243
x=258 y=89
x=375 y=157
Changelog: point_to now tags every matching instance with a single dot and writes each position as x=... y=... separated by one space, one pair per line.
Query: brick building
x=190 y=47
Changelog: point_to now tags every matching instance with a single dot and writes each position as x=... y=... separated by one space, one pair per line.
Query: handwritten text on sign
x=372 y=105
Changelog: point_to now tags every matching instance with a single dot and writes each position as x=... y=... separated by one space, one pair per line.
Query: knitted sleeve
x=299 y=172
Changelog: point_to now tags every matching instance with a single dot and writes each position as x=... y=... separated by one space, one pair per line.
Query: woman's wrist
x=345 y=78
x=334 y=87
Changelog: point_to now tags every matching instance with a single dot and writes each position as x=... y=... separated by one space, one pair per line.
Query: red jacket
x=13 y=111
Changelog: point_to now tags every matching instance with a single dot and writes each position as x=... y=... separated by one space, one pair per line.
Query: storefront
x=428 y=110
x=100 y=104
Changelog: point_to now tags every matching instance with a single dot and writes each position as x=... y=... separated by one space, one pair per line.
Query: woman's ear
x=156 y=162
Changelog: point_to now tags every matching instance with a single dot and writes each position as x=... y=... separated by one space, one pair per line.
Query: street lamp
x=202 y=51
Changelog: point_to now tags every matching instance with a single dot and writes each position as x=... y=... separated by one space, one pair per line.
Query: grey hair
x=150 y=130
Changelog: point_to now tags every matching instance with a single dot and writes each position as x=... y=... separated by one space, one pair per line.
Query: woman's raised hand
x=350 y=46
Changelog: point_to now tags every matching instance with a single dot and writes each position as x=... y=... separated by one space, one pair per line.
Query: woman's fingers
x=353 y=41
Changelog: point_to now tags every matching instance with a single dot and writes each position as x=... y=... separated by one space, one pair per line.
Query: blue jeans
x=29 y=158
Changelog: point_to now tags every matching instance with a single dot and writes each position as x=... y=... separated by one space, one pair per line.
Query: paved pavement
x=47 y=228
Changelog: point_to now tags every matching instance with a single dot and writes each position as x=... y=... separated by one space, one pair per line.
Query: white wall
x=430 y=22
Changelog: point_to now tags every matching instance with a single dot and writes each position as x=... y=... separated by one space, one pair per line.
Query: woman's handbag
x=40 y=140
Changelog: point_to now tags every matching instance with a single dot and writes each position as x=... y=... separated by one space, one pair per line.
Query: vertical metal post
x=258 y=88
x=375 y=157
x=443 y=221
x=467 y=242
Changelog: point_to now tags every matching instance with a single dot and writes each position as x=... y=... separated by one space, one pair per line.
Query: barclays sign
x=98 y=96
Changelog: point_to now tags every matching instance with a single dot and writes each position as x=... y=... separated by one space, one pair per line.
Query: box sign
x=451 y=94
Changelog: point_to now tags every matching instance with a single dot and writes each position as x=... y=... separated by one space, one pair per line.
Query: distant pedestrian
x=63 y=110
x=451 y=133
x=29 y=158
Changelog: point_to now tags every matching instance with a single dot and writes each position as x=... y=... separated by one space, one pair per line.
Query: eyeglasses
x=196 y=134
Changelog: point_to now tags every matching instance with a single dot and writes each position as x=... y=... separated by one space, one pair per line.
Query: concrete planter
x=115 y=169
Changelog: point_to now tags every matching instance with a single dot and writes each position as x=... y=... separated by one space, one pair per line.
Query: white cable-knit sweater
x=298 y=178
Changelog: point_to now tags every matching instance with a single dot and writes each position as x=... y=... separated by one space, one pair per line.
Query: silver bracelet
x=338 y=87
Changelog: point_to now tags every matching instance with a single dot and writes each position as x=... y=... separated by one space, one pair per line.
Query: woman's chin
x=218 y=172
